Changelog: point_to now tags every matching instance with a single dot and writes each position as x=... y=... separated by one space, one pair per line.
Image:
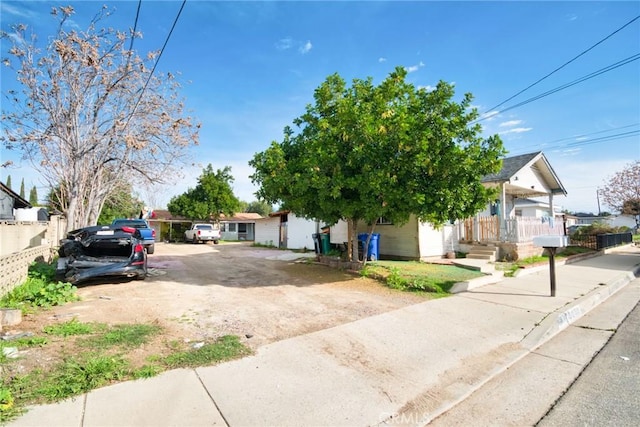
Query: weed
x=146 y=371
x=79 y=374
x=128 y=336
x=8 y=409
x=224 y=348
x=39 y=290
x=72 y=327
x=395 y=280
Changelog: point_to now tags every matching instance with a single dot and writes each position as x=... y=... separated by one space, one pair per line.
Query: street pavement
x=606 y=393
x=412 y=366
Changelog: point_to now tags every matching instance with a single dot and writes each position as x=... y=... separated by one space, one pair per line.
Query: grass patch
x=71 y=328
x=418 y=276
x=128 y=336
x=224 y=348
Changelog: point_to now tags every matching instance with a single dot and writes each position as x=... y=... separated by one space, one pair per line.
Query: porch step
x=483 y=252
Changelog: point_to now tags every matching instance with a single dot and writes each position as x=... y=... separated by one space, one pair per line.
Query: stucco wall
x=267 y=231
x=300 y=232
x=399 y=242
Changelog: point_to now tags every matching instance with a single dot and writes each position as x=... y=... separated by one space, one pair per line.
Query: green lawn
x=418 y=276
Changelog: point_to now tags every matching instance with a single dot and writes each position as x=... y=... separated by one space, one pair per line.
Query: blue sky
x=251 y=67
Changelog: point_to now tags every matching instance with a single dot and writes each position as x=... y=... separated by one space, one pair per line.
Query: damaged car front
x=101 y=252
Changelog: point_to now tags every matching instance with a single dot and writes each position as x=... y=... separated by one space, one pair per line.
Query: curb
x=489 y=279
x=559 y=320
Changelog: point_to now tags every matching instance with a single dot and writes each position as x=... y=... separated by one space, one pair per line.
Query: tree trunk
x=353 y=238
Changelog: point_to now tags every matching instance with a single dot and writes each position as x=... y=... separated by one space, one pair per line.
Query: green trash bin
x=325 y=244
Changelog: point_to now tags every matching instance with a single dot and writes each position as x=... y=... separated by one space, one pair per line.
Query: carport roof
x=18 y=202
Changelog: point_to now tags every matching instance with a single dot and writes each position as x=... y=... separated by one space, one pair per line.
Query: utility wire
x=175 y=21
x=603 y=138
x=607 y=138
x=566 y=85
x=133 y=34
x=589 y=134
x=135 y=25
x=566 y=63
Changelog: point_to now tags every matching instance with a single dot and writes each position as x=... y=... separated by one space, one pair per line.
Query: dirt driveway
x=204 y=291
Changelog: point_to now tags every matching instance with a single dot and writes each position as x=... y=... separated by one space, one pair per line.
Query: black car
x=101 y=252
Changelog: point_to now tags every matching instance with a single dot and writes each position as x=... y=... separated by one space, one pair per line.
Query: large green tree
x=364 y=151
x=622 y=190
x=211 y=197
x=259 y=207
x=90 y=111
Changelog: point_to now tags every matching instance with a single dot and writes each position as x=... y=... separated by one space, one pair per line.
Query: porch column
x=502 y=214
x=552 y=209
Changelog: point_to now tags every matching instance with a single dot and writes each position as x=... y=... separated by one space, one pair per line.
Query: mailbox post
x=551 y=244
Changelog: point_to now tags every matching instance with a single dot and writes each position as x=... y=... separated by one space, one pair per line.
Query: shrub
x=40 y=290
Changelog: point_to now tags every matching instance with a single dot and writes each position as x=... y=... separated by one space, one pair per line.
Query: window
x=242 y=228
x=232 y=227
x=518 y=212
x=384 y=221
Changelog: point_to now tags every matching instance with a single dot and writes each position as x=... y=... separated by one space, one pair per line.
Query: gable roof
x=18 y=202
x=511 y=166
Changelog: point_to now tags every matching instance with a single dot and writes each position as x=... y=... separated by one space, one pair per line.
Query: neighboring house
x=535 y=208
x=285 y=230
x=631 y=221
x=239 y=227
x=9 y=201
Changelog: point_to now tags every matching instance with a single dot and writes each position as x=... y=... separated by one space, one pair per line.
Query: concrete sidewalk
x=403 y=367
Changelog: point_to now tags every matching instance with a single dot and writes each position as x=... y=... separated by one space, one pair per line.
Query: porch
x=512 y=230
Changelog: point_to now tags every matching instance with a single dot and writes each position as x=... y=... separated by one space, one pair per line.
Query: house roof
x=512 y=166
x=242 y=216
x=18 y=202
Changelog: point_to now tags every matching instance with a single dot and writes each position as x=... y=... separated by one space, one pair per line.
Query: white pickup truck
x=203 y=233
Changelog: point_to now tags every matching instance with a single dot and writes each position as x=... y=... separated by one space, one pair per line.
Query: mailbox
x=550 y=241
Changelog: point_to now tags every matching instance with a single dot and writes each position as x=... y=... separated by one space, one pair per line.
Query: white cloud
x=572 y=17
x=510 y=123
x=515 y=130
x=413 y=68
x=284 y=44
x=11 y=10
x=305 y=48
x=381 y=59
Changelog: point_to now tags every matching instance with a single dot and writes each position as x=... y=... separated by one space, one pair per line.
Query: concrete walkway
x=404 y=367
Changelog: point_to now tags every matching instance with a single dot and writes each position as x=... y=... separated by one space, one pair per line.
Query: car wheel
x=194 y=241
x=215 y=242
x=151 y=249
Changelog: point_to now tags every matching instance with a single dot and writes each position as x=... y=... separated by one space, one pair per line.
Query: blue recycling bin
x=373 y=251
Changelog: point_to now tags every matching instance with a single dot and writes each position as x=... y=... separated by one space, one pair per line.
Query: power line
x=621 y=135
x=590 y=133
x=175 y=21
x=604 y=138
x=567 y=85
x=566 y=63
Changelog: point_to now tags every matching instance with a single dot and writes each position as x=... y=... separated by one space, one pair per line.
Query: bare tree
x=92 y=114
x=622 y=191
